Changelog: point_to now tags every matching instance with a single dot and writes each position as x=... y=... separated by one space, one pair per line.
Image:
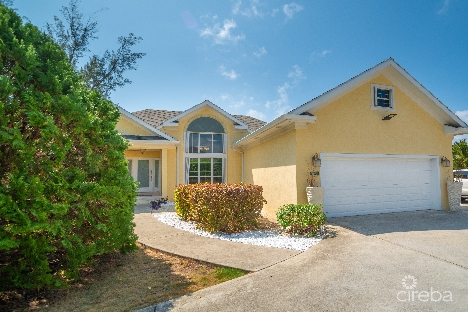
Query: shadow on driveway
x=424 y=220
x=440 y=234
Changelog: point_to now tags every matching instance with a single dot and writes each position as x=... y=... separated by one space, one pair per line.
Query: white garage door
x=366 y=184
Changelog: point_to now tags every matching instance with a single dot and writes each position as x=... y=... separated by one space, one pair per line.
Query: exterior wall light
x=445 y=162
x=142 y=151
x=389 y=116
x=316 y=161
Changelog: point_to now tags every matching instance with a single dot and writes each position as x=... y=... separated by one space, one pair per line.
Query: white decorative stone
x=315 y=195
x=269 y=238
x=454 y=190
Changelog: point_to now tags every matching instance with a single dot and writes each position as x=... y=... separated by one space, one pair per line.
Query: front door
x=146 y=171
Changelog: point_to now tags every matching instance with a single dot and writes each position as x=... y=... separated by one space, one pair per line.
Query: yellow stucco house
x=380 y=137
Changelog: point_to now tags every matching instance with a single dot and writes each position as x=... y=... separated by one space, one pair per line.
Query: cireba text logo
x=409 y=283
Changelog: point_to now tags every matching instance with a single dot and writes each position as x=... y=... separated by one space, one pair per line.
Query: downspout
x=242 y=167
x=177 y=165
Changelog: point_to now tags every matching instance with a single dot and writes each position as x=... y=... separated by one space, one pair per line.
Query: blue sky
x=263 y=58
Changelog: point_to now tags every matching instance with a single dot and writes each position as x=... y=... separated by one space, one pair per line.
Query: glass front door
x=146 y=171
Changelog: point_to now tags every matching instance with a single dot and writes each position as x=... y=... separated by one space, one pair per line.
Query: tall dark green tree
x=460 y=154
x=65 y=191
x=104 y=73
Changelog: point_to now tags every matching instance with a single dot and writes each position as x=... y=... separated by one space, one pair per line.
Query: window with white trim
x=205 y=151
x=382 y=97
x=206 y=170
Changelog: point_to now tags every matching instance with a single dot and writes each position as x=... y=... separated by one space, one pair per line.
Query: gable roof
x=144 y=125
x=438 y=110
x=251 y=122
x=157 y=117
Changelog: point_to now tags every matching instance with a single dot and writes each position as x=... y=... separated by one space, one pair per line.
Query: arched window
x=206 y=124
x=205 y=151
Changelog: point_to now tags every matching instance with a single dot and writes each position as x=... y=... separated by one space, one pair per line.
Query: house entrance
x=146 y=171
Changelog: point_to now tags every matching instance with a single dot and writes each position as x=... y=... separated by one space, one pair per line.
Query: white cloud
x=316 y=55
x=260 y=52
x=256 y=114
x=225 y=97
x=250 y=10
x=444 y=8
x=296 y=74
x=291 y=9
x=222 y=34
x=236 y=7
x=230 y=74
x=280 y=105
x=463 y=116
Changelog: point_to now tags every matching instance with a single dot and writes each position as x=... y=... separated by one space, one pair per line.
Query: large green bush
x=227 y=208
x=65 y=191
x=301 y=219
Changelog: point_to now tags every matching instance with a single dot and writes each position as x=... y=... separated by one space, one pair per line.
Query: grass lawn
x=125 y=283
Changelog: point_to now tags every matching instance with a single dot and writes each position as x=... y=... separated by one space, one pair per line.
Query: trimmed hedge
x=301 y=219
x=227 y=208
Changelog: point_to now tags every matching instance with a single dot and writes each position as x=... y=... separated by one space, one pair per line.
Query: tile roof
x=252 y=123
x=156 y=117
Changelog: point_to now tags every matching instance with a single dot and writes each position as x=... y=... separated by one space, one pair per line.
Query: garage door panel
x=375 y=184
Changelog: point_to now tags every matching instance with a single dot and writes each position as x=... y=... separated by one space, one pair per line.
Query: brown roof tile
x=252 y=123
x=156 y=117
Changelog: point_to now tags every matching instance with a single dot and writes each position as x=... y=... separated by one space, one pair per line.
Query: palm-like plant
x=460 y=155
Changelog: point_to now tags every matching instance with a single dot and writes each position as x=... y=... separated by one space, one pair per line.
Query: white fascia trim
x=276 y=122
x=140 y=123
x=170 y=122
x=152 y=144
x=366 y=74
x=345 y=155
x=331 y=93
x=450 y=131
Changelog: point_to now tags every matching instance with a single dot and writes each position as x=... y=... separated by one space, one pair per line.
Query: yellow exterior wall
x=272 y=164
x=168 y=156
x=346 y=125
x=234 y=158
x=125 y=127
x=349 y=125
x=146 y=154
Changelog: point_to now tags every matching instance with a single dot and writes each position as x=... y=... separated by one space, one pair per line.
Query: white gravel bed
x=258 y=238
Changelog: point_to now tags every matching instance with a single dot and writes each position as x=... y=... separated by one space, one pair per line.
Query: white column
x=164 y=175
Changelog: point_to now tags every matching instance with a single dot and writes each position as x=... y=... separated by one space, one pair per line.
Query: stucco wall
x=346 y=125
x=349 y=125
x=125 y=127
x=272 y=164
x=146 y=154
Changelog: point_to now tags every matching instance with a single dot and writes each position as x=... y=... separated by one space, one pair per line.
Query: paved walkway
x=158 y=235
x=366 y=267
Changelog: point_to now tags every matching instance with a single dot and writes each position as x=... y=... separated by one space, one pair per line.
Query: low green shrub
x=227 y=208
x=301 y=219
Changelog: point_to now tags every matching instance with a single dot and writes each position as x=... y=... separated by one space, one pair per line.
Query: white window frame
x=188 y=156
x=374 y=88
x=223 y=167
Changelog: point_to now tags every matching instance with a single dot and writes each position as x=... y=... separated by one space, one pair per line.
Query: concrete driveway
x=410 y=261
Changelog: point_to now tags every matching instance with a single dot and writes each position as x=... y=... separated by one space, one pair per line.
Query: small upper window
x=382 y=97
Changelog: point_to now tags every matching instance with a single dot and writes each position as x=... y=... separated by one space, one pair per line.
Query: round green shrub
x=301 y=219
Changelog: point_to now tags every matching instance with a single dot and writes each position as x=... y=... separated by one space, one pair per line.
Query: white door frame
x=134 y=173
